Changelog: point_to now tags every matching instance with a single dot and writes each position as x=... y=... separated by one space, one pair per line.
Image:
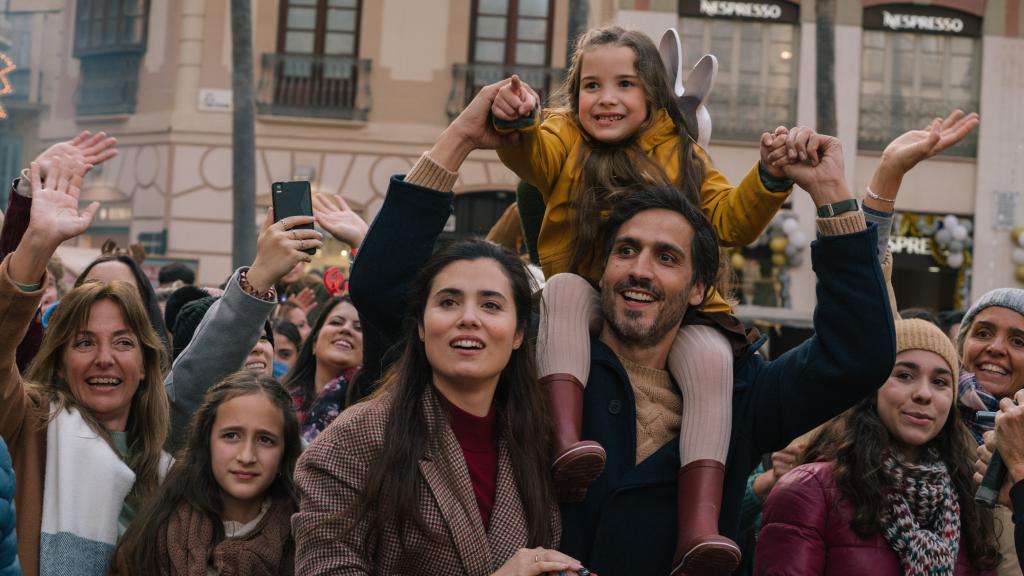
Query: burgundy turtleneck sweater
x=477 y=436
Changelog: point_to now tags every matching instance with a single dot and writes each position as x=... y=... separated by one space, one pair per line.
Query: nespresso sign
x=929 y=19
x=762 y=11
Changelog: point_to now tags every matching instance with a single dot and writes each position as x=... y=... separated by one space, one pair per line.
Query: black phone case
x=293 y=199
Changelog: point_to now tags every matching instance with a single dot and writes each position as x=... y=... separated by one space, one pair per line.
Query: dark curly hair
x=857 y=443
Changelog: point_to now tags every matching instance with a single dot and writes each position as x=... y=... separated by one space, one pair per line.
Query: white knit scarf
x=86 y=486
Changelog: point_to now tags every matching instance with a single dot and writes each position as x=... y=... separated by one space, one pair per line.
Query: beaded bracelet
x=269 y=294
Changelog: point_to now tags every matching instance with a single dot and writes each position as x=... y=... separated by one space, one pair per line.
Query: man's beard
x=630 y=328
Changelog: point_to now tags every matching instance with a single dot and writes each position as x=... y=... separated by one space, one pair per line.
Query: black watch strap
x=837 y=208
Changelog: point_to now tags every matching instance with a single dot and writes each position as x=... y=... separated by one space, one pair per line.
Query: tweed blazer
x=331 y=475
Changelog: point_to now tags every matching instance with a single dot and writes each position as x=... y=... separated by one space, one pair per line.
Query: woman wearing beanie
x=991 y=343
x=887 y=486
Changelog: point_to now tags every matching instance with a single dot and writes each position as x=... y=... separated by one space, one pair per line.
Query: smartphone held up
x=293 y=199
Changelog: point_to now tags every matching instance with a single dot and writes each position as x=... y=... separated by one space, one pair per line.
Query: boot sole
x=575 y=469
x=709 y=559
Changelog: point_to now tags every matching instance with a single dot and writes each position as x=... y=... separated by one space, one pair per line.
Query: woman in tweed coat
x=395 y=486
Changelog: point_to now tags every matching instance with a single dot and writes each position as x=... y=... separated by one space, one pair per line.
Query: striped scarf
x=922 y=523
x=971 y=398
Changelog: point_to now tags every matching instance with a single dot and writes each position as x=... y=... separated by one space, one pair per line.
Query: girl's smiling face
x=612 y=101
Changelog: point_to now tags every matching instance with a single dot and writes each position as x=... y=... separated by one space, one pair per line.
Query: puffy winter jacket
x=806 y=530
x=8 y=542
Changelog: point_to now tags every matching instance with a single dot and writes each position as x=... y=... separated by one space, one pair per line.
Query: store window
x=917 y=63
x=757 y=47
x=110 y=39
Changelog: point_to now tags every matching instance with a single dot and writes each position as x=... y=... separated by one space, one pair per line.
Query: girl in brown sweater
x=226 y=505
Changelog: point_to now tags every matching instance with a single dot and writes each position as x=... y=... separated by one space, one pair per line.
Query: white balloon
x=959 y=232
x=1020 y=239
x=955 y=260
x=950 y=222
x=790 y=225
x=1018 y=256
x=956 y=246
x=799 y=238
x=943 y=236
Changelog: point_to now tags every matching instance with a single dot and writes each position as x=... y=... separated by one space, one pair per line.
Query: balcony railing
x=743 y=113
x=108 y=83
x=883 y=118
x=468 y=79
x=314 y=86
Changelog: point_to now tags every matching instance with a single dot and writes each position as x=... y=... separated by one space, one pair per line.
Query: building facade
x=349 y=92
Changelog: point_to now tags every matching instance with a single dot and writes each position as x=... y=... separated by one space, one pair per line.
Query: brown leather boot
x=576 y=463
x=700 y=549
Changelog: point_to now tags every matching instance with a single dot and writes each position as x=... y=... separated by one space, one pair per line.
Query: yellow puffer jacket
x=547 y=154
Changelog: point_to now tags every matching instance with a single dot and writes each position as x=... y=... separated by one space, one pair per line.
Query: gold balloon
x=779 y=259
x=737 y=261
x=1019 y=273
x=778 y=244
x=1016 y=232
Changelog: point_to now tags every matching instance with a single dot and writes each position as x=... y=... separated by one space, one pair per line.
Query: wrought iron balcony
x=883 y=118
x=468 y=79
x=314 y=86
x=743 y=113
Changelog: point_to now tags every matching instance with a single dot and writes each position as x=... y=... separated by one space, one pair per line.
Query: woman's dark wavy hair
x=191 y=478
x=606 y=169
x=390 y=497
x=857 y=443
x=149 y=299
x=301 y=379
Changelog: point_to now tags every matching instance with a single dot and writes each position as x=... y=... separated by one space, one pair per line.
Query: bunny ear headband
x=690 y=99
x=134 y=251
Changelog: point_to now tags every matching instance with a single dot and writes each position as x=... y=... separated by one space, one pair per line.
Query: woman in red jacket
x=888 y=487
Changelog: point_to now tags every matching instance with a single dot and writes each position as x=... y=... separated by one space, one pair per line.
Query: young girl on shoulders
x=617 y=124
x=226 y=505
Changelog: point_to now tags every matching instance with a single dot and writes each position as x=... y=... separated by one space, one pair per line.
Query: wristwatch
x=837 y=208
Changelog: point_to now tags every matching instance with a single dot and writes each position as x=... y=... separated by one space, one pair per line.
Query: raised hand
x=515 y=100
x=471 y=130
x=279 y=248
x=771 y=142
x=86 y=148
x=55 y=215
x=334 y=215
x=54 y=218
x=824 y=181
x=903 y=153
x=910 y=148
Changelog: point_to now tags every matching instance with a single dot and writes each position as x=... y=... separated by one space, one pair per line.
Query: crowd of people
x=445 y=414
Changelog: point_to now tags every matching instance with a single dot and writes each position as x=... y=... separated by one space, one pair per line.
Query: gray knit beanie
x=1010 y=298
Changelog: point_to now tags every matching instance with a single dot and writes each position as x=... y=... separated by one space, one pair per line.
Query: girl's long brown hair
x=608 y=170
x=857 y=442
x=149 y=414
x=390 y=497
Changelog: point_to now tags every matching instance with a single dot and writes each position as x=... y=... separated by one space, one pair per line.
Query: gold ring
x=302 y=244
x=293 y=235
